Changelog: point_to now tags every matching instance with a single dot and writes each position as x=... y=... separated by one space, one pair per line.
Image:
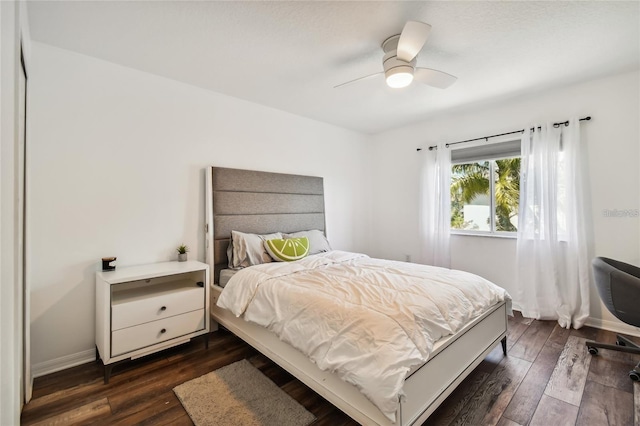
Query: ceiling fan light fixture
x=400 y=60
x=399 y=77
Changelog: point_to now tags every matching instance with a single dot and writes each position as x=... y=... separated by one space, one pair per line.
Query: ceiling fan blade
x=413 y=37
x=434 y=78
x=357 y=79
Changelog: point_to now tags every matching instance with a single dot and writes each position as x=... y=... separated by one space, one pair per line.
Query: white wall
x=118 y=160
x=612 y=142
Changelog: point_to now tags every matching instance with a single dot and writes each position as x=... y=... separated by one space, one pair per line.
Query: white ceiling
x=289 y=55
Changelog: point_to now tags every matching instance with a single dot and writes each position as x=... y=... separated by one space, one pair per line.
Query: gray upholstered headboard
x=259 y=203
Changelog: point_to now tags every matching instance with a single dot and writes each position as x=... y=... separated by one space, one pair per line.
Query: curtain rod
x=566 y=123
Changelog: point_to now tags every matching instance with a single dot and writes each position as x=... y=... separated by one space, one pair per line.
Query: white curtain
x=553 y=268
x=435 y=207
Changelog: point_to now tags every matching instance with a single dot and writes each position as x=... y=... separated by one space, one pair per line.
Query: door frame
x=21 y=198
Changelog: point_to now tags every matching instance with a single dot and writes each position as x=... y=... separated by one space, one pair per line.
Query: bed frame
x=262 y=202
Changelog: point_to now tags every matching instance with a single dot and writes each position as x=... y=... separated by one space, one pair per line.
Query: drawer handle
x=164 y=330
x=164 y=308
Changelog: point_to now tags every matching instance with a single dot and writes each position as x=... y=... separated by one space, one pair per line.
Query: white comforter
x=368 y=320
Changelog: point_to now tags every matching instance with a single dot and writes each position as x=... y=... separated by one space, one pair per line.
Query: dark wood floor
x=547 y=378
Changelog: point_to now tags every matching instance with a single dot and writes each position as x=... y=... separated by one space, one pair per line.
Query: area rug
x=239 y=394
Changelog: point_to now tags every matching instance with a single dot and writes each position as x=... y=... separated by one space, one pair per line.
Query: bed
x=261 y=203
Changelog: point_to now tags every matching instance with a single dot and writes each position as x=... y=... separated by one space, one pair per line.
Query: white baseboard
x=62 y=363
x=615 y=326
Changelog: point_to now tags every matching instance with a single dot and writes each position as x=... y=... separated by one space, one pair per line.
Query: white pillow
x=318 y=243
x=248 y=249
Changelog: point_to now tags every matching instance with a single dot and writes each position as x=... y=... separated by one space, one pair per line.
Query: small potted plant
x=182 y=252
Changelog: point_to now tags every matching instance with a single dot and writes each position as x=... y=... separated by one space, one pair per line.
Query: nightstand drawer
x=174 y=300
x=140 y=336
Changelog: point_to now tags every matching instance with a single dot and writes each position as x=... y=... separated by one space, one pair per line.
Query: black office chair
x=619 y=286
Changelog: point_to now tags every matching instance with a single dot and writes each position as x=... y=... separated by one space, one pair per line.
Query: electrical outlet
x=407 y=258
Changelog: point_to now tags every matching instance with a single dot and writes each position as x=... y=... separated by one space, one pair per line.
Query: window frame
x=492 y=196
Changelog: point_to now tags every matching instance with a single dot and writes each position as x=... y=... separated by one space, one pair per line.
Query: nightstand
x=144 y=309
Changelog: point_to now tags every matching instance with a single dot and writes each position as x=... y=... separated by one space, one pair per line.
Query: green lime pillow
x=287 y=250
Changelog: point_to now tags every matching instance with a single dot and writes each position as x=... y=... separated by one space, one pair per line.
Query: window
x=485 y=188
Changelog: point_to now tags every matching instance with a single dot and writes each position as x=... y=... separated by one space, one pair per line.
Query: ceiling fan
x=399 y=61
